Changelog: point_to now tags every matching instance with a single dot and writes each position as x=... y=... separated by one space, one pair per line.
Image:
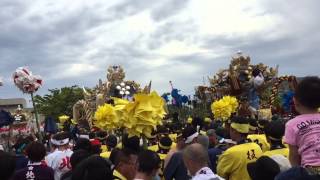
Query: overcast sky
x=71 y=42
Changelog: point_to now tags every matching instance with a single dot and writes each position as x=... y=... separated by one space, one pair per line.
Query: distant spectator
x=132 y=143
x=20 y=146
x=82 y=143
x=213 y=139
x=204 y=141
x=111 y=142
x=35 y=169
x=95 y=146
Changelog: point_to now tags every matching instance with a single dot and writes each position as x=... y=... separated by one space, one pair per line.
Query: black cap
x=188 y=131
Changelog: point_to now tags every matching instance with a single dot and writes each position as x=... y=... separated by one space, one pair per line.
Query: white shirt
x=59 y=161
x=205 y=173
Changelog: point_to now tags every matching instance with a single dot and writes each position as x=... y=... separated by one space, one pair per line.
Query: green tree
x=58 y=101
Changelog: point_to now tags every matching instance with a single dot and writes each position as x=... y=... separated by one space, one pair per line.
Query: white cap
x=282 y=161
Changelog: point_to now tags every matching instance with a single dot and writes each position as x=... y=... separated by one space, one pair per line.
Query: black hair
x=253 y=122
x=264 y=168
x=111 y=141
x=240 y=120
x=61 y=136
x=262 y=123
x=188 y=131
x=113 y=155
x=148 y=161
x=165 y=141
x=7 y=165
x=21 y=144
x=101 y=135
x=308 y=92
x=197 y=121
x=222 y=132
x=78 y=156
x=94 y=167
x=123 y=156
x=132 y=143
x=162 y=130
x=82 y=143
x=275 y=130
x=92 y=135
x=36 y=151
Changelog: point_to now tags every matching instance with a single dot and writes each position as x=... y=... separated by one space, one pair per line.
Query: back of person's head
x=203 y=140
x=253 y=126
x=78 y=156
x=197 y=122
x=21 y=145
x=222 y=132
x=7 y=165
x=61 y=139
x=95 y=146
x=92 y=168
x=265 y=168
x=261 y=124
x=274 y=130
x=82 y=143
x=211 y=133
x=124 y=156
x=125 y=162
x=113 y=155
x=61 y=136
x=111 y=141
x=148 y=162
x=197 y=154
x=240 y=124
x=36 y=151
x=132 y=143
x=101 y=135
x=165 y=144
x=307 y=92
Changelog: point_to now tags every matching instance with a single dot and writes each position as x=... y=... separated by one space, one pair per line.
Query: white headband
x=60 y=142
x=84 y=136
x=190 y=138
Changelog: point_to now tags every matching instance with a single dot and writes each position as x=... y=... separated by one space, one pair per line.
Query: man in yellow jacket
x=232 y=164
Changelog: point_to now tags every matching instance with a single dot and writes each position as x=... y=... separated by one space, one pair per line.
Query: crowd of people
x=241 y=148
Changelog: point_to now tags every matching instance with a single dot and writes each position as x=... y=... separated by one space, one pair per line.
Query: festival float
x=118 y=103
x=257 y=88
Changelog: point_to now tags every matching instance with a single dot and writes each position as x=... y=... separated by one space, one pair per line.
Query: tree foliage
x=58 y=101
